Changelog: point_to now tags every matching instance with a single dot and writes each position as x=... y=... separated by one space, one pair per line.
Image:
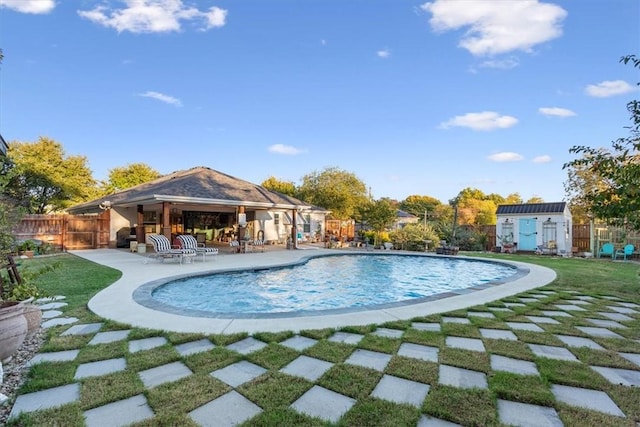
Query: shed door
x=527 y=234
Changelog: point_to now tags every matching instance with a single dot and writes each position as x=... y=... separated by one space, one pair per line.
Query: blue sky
x=412 y=97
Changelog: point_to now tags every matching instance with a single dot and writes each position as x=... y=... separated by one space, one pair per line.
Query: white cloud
x=29 y=6
x=542 y=159
x=162 y=97
x=609 y=88
x=384 y=53
x=153 y=16
x=496 y=27
x=486 y=120
x=556 y=112
x=505 y=156
x=284 y=149
x=323 y=42
x=503 y=64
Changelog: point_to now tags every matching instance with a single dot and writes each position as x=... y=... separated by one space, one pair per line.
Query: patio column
x=242 y=223
x=294 y=229
x=140 y=237
x=166 y=220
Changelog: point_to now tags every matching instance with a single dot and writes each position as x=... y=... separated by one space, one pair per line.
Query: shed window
x=276 y=219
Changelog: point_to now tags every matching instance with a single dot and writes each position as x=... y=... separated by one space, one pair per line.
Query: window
x=306 y=228
x=276 y=219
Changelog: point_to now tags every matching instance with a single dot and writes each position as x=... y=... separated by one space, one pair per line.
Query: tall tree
x=618 y=169
x=123 y=177
x=284 y=187
x=334 y=189
x=44 y=179
x=420 y=206
x=535 y=199
x=380 y=215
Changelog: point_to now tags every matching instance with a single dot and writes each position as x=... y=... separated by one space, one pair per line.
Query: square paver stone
x=461 y=320
x=542 y=319
x=193 y=347
x=606 y=323
x=431 y=327
x=572 y=341
x=427 y=421
x=299 y=343
x=551 y=352
x=388 y=333
x=101 y=367
x=504 y=309
x=484 y=314
x=45 y=399
x=55 y=356
x=578 y=302
x=585 y=297
x=346 y=338
x=629 y=304
x=556 y=313
x=626 y=377
x=569 y=307
x=498 y=334
x=121 y=413
x=418 y=351
x=85 y=329
x=528 y=299
x=514 y=304
x=527 y=415
x=164 y=374
x=598 y=332
x=631 y=357
x=462 y=378
x=515 y=366
x=369 y=359
x=52 y=306
x=238 y=373
x=227 y=410
x=400 y=390
x=473 y=344
x=619 y=317
x=623 y=310
x=322 y=403
x=587 y=399
x=307 y=367
x=109 y=337
x=50 y=314
x=146 y=344
x=524 y=326
x=57 y=321
x=247 y=346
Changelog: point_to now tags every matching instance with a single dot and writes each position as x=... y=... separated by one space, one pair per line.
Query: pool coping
x=117 y=302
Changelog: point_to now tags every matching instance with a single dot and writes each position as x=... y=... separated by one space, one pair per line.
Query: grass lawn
x=275 y=391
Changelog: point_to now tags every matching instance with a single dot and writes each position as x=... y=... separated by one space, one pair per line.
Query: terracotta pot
x=13 y=328
x=33 y=314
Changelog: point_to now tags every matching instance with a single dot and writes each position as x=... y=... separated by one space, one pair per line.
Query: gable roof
x=198 y=185
x=3 y=146
x=405 y=214
x=532 y=208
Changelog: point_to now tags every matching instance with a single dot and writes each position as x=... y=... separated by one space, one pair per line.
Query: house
x=403 y=218
x=207 y=203
x=3 y=147
x=536 y=227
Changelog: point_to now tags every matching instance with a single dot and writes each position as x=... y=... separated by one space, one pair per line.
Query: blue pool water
x=328 y=283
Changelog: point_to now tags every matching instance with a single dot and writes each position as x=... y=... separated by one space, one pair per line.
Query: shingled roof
x=3 y=146
x=532 y=208
x=198 y=185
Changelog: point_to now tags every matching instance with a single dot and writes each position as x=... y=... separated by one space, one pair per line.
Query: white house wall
x=563 y=229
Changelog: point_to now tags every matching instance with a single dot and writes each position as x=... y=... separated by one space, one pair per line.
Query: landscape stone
x=388 y=333
x=619 y=317
x=228 y=410
x=400 y=390
x=418 y=351
x=551 y=352
x=541 y=319
x=193 y=347
x=472 y=344
x=572 y=341
x=606 y=323
x=588 y=399
x=322 y=403
x=626 y=377
x=498 y=334
x=299 y=343
x=247 y=346
x=346 y=338
x=239 y=373
x=146 y=344
x=369 y=359
x=86 y=329
x=461 y=320
x=109 y=337
x=50 y=314
x=45 y=399
x=527 y=415
x=56 y=356
x=432 y=327
x=307 y=367
x=57 y=321
x=515 y=366
x=599 y=332
x=426 y=421
x=101 y=367
x=163 y=374
x=463 y=378
x=121 y=413
x=524 y=326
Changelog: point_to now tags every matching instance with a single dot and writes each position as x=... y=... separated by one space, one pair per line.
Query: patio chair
x=625 y=252
x=235 y=246
x=607 y=249
x=258 y=245
x=187 y=241
x=162 y=248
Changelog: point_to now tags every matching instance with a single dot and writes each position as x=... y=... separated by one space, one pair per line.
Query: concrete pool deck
x=116 y=302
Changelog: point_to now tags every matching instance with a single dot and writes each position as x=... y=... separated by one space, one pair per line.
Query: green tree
x=380 y=215
x=334 y=189
x=535 y=199
x=283 y=187
x=420 y=205
x=415 y=237
x=43 y=179
x=617 y=201
x=123 y=177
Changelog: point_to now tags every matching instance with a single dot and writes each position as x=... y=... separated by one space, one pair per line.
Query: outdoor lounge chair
x=625 y=252
x=162 y=248
x=187 y=241
x=607 y=249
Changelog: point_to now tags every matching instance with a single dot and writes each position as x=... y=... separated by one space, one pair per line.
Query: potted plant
x=506 y=241
x=27 y=248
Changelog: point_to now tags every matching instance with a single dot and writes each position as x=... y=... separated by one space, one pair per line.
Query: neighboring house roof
x=532 y=208
x=3 y=146
x=403 y=214
x=198 y=185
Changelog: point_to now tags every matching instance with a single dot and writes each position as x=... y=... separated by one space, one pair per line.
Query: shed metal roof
x=532 y=208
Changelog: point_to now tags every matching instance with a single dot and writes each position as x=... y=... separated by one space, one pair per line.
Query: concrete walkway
x=117 y=303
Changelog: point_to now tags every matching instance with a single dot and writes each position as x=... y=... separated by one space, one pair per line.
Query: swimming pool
x=325 y=284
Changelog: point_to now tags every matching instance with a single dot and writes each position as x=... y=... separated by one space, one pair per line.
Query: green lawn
x=274 y=391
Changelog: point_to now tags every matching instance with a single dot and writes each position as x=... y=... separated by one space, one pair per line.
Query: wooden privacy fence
x=66 y=232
